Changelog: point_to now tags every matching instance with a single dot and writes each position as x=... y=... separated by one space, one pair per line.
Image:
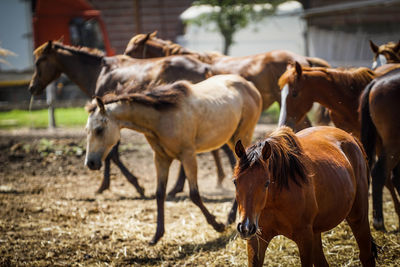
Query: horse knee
x=195 y=196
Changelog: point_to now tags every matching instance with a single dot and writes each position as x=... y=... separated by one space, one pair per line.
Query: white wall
x=273 y=32
x=16 y=33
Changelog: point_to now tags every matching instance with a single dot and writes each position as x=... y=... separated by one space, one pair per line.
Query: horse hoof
x=219 y=227
x=141 y=192
x=155 y=239
x=100 y=191
x=379 y=225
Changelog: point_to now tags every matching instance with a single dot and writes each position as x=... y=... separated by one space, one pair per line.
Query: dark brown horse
x=300 y=185
x=380 y=127
x=96 y=75
x=384 y=54
x=263 y=70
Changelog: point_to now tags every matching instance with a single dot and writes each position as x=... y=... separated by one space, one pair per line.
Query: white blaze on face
x=283 y=113
x=380 y=60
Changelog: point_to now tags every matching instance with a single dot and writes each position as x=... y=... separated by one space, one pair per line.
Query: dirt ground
x=51 y=216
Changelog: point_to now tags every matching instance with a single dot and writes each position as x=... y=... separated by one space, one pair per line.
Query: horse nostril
x=90 y=164
x=239 y=227
x=252 y=229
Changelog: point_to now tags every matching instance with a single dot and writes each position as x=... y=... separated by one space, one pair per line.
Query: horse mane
x=389 y=48
x=287 y=161
x=355 y=78
x=160 y=97
x=88 y=51
x=171 y=48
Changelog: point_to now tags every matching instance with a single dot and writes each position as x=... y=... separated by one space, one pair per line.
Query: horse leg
x=180 y=183
x=390 y=186
x=105 y=184
x=396 y=183
x=189 y=163
x=220 y=170
x=162 y=167
x=318 y=253
x=378 y=181
x=359 y=224
x=129 y=176
x=380 y=175
x=304 y=240
x=256 y=248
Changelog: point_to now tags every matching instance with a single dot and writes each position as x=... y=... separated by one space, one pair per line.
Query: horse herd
x=293 y=184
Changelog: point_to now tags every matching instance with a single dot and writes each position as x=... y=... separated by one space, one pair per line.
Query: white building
x=284 y=30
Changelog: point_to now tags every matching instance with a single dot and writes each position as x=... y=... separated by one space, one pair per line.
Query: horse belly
x=216 y=128
x=335 y=194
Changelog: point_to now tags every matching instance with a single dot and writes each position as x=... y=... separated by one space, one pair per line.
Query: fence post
x=50 y=98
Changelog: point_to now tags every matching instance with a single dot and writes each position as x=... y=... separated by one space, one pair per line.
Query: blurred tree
x=233 y=15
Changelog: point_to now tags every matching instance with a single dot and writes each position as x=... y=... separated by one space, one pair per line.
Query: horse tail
x=368 y=129
x=322 y=116
x=317 y=62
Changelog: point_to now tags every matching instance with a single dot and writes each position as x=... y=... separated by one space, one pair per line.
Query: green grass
x=66 y=117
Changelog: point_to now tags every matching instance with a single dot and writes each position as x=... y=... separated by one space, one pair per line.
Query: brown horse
x=96 y=74
x=339 y=90
x=380 y=125
x=300 y=185
x=263 y=70
x=386 y=53
x=178 y=121
x=336 y=89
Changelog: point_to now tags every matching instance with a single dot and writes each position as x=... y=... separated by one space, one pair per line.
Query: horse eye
x=234 y=182
x=267 y=183
x=294 y=94
x=98 y=131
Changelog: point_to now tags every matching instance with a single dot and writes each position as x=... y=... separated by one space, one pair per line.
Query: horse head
x=294 y=101
x=386 y=53
x=46 y=68
x=137 y=46
x=251 y=180
x=102 y=132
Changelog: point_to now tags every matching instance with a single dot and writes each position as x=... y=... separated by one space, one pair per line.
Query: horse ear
x=100 y=105
x=299 y=70
x=153 y=34
x=266 y=151
x=61 y=39
x=48 y=47
x=239 y=149
x=396 y=49
x=373 y=46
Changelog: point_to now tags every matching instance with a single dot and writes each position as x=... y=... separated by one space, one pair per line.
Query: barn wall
x=125 y=18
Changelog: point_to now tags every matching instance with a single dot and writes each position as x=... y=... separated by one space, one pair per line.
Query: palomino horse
x=263 y=70
x=339 y=90
x=178 y=121
x=386 y=53
x=96 y=74
x=380 y=126
x=300 y=185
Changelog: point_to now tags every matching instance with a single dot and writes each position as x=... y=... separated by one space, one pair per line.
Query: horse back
x=384 y=107
x=340 y=173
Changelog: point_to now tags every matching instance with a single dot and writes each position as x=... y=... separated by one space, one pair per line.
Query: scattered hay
x=54 y=218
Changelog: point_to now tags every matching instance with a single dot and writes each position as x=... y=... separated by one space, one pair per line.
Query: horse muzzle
x=247 y=229
x=93 y=162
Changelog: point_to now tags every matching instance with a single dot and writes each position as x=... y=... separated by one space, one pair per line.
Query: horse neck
x=339 y=98
x=81 y=72
x=135 y=116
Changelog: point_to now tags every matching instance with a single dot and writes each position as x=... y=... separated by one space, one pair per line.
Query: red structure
x=77 y=21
